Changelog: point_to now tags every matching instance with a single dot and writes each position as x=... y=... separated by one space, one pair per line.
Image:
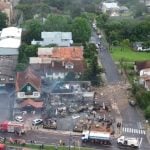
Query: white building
x=10 y=41
x=58 y=38
x=112 y=8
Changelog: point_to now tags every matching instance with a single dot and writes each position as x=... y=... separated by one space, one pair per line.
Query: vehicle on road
x=132 y=103
x=12 y=127
x=36 y=122
x=19 y=118
x=128 y=141
x=50 y=124
x=98 y=137
x=2 y=147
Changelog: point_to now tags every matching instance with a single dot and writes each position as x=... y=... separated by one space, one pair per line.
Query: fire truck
x=12 y=127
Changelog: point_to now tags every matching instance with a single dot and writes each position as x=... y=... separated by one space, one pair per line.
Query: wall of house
x=21 y=95
x=57 y=41
x=56 y=75
x=144 y=72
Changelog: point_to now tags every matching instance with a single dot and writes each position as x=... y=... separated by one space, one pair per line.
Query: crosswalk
x=133 y=131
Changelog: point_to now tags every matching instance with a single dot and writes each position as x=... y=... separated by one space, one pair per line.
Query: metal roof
x=8 y=51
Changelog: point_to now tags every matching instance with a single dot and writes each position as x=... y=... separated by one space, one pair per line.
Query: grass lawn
x=129 y=55
x=48 y=147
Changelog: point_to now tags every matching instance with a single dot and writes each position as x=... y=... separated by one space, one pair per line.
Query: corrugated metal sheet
x=8 y=51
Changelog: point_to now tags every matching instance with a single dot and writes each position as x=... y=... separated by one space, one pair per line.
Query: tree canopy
x=81 y=30
x=3 y=20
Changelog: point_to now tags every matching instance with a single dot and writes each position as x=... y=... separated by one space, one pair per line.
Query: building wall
x=57 y=41
x=9 y=10
x=7 y=69
x=56 y=75
x=22 y=95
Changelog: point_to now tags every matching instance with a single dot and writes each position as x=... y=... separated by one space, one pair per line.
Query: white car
x=37 y=122
x=19 y=118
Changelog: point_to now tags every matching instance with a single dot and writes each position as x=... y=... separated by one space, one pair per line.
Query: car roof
x=37 y=119
x=19 y=117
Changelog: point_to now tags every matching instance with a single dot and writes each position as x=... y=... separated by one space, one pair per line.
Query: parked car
x=36 y=122
x=19 y=118
x=132 y=102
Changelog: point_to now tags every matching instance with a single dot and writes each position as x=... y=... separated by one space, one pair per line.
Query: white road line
x=136 y=130
x=133 y=131
x=140 y=142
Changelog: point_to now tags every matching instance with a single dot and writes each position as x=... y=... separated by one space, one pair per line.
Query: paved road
x=47 y=138
x=133 y=121
x=111 y=71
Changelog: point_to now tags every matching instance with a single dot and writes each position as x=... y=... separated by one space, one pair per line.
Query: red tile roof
x=28 y=76
x=30 y=102
x=68 y=53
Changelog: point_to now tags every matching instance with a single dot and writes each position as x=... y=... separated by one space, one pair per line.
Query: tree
x=81 y=30
x=147 y=112
x=26 y=51
x=33 y=31
x=57 y=23
x=3 y=20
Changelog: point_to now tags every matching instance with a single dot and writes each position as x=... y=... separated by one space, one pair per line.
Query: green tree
x=3 y=20
x=147 y=112
x=81 y=30
x=26 y=51
x=57 y=23
x=33 y=31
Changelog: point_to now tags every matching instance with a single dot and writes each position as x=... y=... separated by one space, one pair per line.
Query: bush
x=147 y=112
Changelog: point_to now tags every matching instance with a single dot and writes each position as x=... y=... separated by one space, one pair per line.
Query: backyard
x=129 y=55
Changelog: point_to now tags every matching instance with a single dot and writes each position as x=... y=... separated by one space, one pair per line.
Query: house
x=145 y=81
x=10 y=41
x=138 y=46
x=28 y=84
x=143 y=68
x=145 y=72
x=57 y=38
x=147 y=4
x=111 y=8
x=140 y=65
x=7 y=8
x=56 y=62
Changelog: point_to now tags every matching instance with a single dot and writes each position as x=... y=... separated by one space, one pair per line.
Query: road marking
x=140 y=142
x=134 y=131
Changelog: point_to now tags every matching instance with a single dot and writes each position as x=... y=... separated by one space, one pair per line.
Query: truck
x=12 y=127
x=128 y=141
x=50 y=124
x=96 y=137
x=2 y=147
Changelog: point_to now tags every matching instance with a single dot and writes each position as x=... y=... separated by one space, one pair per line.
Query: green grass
x=127 y=54
x=47 y=147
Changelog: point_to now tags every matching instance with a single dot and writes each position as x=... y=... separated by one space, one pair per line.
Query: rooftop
x=11 y=32
x=68 y=53
x=33 y=103
x=111 y=5
x=27 y=76
x=142 y=65
x=53 y=35
x=10 y=37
